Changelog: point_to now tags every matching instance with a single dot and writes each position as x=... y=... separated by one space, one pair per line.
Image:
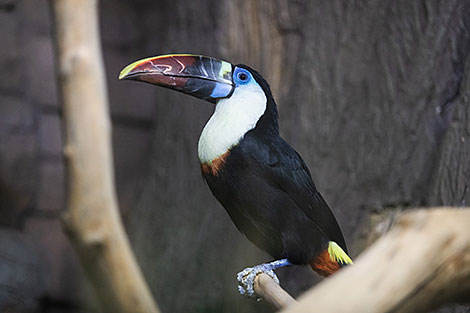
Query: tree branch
x=92 y=221
x=422 y=263
x=270 y=291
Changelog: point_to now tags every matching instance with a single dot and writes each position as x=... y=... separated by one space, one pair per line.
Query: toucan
x=261 y=181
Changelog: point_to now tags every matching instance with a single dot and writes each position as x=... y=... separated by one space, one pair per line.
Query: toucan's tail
x=330 y=260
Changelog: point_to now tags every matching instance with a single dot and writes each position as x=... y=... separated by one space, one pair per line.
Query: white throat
x=232 y=119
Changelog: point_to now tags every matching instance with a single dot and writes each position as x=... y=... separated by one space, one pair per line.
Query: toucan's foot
x=246 y=278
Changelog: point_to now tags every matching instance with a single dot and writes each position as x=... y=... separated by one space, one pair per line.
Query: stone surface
x=18 y=159
x=50 y=136
x=127 y=99
x=64 y=280
x=120 y=25
x=39 y=71
x=10 y=54
x=51 y=189
x=22 y=276
x=37 y=24
x=131 y=148
x=16 y=113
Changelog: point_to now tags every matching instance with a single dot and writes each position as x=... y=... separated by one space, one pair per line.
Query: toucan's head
x=244 y=99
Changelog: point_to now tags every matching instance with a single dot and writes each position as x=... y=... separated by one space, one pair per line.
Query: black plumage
x=268 y=191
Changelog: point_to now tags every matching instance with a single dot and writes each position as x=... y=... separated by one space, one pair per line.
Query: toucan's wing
x=283 y=167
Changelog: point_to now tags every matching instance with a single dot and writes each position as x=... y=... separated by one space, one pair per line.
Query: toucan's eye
x=242 y=76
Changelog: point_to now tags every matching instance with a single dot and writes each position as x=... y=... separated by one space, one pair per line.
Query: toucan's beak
x=200 y=76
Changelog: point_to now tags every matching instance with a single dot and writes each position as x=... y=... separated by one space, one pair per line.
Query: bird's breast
x=232 y=119
x=213 y=167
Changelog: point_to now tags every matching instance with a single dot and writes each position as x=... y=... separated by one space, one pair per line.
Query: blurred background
x=373 y=94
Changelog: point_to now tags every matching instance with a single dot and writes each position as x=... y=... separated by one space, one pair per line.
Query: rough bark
x=92 y=220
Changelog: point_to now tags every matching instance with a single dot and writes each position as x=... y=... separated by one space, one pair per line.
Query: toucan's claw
x=246 y=278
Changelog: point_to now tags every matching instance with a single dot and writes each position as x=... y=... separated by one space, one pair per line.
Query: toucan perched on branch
x=261 y=181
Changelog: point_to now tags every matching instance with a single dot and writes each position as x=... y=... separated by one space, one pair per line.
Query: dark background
x=373 y=94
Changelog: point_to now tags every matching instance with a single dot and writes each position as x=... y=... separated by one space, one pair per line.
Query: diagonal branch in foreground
x=422 y=263
x=92 y=220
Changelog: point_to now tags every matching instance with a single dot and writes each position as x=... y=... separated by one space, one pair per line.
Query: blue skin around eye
x=239 y=81
x=221 y=90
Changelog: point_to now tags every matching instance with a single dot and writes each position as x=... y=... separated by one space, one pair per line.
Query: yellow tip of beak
x=131 y=66
x=128 y=68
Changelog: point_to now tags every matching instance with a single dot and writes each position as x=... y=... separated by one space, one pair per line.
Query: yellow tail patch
x=337 y=254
